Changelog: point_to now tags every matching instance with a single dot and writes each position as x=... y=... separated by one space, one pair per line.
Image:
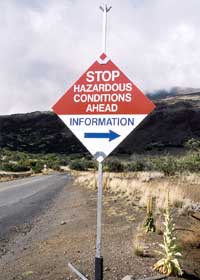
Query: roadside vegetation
x=14 y=161
x=168 y=164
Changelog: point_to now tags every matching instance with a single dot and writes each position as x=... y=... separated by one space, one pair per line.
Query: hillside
x=175 y=120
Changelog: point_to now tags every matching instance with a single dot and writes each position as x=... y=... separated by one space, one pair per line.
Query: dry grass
x=135 y=187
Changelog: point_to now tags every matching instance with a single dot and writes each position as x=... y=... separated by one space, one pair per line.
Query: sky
x=46 y=45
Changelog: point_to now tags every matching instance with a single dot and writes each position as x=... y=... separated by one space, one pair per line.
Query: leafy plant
x=149 y=222
x=193 y=144
x=167 y=165
x=135 y=166
x=190 y=162
x=14 y=167
x=37 y=168
x=114 y=166
x=82 y=164
x=169 y=263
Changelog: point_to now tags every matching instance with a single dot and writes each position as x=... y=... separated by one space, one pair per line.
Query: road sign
x=103 y=107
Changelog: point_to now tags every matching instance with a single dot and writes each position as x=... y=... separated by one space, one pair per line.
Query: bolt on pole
x=98 y=257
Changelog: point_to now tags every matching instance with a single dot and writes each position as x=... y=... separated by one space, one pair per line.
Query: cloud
x=46 y=45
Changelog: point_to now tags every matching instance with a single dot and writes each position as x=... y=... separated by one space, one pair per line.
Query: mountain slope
x=174 y=121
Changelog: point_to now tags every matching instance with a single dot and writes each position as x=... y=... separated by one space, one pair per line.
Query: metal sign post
x=98 y=257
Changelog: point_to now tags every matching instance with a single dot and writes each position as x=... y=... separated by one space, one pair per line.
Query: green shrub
x=167 y=165
x=63 y=161
x=82 y=164
x=77 y=165
x=54 y=161
x=55 y=165
x=75 y=156
x=90 y=164
x=38 y=166
x=11 y=167
x=114 y=166
x=14 y=155
x=190 y=162
x=193 y=144
x=135 y=166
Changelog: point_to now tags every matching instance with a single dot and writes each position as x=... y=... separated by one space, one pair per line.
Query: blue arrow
x=111 y=135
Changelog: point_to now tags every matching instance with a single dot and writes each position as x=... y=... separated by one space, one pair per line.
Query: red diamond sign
x=103 y=107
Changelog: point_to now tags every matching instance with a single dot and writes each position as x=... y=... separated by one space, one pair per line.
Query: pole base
x=99 y=268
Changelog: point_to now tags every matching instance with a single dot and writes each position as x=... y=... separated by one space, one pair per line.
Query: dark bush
x=135 y=166
x=190 y=163
x=90 y=164
x=75 y=156
x=82 y=164
x=12 y=167
x=193 y=144
x=77 y=165
x=51 y=163
x=167 y=165
x=55 y=165
x=63 y=161
x=114 y=166
x=38 y=166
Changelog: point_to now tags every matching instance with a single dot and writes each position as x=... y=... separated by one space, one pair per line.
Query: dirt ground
x=66 y=233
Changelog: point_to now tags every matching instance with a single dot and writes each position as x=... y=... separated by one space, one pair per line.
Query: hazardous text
x=102 y=91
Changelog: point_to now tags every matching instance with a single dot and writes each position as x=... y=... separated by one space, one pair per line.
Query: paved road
x=23 y=199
